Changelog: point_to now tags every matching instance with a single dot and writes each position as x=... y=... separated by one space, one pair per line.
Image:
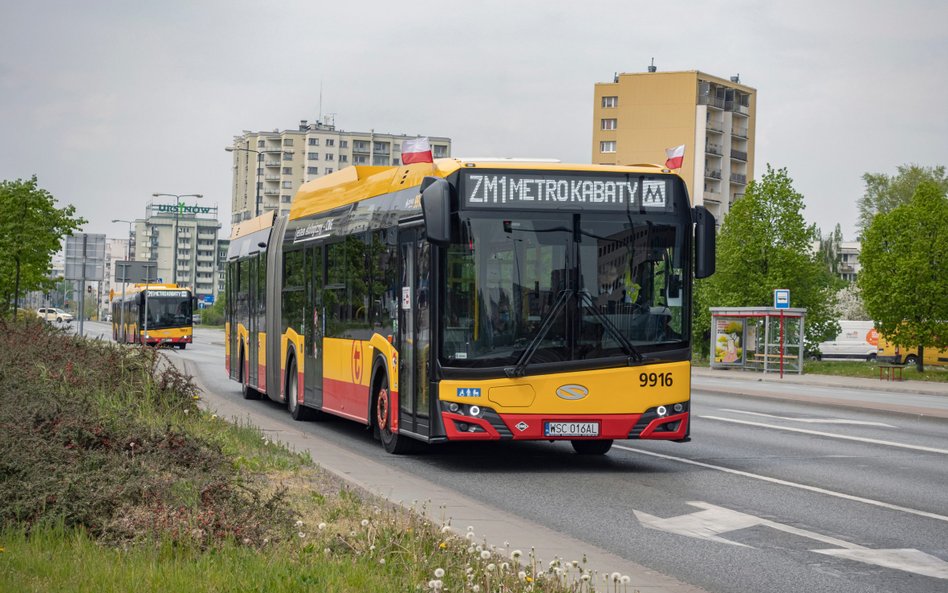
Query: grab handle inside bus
x=704 y=241
x=436 y=208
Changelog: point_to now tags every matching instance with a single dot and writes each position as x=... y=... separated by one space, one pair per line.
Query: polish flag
x=674 y=157
x=416 y=150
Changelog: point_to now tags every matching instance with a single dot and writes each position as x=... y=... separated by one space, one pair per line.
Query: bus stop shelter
x=764 y=339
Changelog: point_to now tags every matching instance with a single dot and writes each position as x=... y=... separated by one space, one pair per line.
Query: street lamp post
x=256 y=204
x=128 y=256
x=177 y=211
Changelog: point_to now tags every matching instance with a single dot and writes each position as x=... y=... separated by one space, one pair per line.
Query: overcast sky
x=108 y=102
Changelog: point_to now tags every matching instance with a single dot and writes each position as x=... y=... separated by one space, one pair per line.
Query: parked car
x=54 y=314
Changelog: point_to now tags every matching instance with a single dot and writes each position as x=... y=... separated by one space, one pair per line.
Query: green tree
x=765 y=244
x=31 y=231
x=885 y=193
x=904 y=266
x=830 y=252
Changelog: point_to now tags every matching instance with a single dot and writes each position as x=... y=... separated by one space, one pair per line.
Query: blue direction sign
x=782 y=298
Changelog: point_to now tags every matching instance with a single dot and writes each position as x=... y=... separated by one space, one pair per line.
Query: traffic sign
x=782 y=298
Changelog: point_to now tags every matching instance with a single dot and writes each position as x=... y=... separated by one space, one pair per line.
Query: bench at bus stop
x=890 y=372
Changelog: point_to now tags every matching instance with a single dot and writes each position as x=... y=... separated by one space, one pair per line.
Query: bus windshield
x=165 y=311
x=565 y=286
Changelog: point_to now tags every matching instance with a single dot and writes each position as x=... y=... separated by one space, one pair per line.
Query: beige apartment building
x=270 y=166
x=637 y=116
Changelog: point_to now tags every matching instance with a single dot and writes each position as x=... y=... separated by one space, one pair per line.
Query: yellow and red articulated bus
x=475 y=300
x=153 y=315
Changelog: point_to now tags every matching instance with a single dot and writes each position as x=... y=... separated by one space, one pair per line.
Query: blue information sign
x=782 y=298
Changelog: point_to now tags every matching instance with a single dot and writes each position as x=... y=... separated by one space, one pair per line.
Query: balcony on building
x=712 y=148
x=738 y=179
x=739 y=131
x=739 y=155
x=712 y=173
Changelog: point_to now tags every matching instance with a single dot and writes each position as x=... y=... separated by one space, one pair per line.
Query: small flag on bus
x=416 y=150
x=674 y=157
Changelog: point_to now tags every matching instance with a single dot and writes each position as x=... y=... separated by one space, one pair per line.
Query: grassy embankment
x=113 y=479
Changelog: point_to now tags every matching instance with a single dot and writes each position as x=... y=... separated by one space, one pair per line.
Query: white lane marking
x=737 y=472
x=812 y=420
x=830 y=435
x=712 y=521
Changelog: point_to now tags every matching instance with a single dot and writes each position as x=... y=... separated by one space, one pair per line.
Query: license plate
x=571 y=429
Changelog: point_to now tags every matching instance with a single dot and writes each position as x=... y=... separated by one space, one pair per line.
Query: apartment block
x=270 y=166
x=637 y=116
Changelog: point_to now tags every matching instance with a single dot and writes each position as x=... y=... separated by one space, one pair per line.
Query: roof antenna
x=320 y=118
x=652 y=68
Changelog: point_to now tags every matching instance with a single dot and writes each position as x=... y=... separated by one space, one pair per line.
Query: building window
x=287 y=142
x=287 y=170
x=313 y=156
x=330 y=156
x=287 y=185
x=312 y=170
x=343 y=158
x=610 y=102
x=287 y=156
x=359 y=160
x=328 y=170
x=609 y=124
x=261 y=143
x=331 y=142
x=440 y=151
x=607 y=146
x=286 y=199
x=314 y=141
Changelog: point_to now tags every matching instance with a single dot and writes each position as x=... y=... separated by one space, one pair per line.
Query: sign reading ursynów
x=182 y=209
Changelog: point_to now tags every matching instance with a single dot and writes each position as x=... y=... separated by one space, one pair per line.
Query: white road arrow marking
x=712 y=521
x=812 y=420
x=908 y=560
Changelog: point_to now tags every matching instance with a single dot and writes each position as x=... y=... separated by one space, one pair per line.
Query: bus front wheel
x=392 y=441
x=600 y=447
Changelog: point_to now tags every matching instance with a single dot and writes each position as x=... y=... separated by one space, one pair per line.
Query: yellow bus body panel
x=610 y=391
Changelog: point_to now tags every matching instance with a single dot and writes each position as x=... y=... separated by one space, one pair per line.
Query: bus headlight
x=662 y=411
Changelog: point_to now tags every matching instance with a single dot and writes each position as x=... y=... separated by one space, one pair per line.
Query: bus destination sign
x=536 y=190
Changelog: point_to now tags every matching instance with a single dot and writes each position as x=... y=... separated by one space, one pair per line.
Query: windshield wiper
x=521 y=366
x=634 y=355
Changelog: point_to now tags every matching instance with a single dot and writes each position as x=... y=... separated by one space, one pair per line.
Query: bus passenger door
x=253 y=340
x=315 y=326
x=413 y=332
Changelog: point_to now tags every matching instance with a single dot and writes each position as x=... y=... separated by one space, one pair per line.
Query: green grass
x=856 y=368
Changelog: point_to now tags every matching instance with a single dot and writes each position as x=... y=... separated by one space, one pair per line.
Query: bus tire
x=382 y=417
x=597 y=447
x=910 y=360
x=297 y=412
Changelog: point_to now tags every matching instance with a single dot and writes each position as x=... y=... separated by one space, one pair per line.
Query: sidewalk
x=907 y=397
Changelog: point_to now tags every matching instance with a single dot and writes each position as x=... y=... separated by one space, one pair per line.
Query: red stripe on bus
x=346 y=399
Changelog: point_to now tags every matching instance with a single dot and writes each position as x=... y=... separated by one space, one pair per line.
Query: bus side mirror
x=704 y=241
x=436 y=208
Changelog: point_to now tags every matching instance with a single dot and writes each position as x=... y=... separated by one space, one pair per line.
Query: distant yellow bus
x=889 y=352
x=153 y=315
x=462 y=300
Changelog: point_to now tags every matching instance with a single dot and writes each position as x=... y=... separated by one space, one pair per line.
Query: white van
x=856 y=340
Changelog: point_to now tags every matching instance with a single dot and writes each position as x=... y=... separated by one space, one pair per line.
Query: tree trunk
x=920 y=364
x=16 y=289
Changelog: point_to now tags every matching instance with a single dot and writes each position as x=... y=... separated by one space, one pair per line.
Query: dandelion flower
x=475 y=588
x=470 y=535
x=365 y=522
x=504 y=566
x=446 y=529
x=516 y=554
x=490 y=567
x=521 y=575
x=442 y=546
x=470 y=528
x=485 y=555
x=439 y=573
x=301 y=534
x=321 y=526
x=615 y=577
x=625 y=580
x=299 y=523
x=584 y=578
x=382 y=561
x=327 y=551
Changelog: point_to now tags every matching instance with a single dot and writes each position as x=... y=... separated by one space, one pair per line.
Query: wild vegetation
x=113 y=478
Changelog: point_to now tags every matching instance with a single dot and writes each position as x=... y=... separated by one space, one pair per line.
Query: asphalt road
x=771 y=494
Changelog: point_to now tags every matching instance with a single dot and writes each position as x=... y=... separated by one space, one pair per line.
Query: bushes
x=105 y=438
